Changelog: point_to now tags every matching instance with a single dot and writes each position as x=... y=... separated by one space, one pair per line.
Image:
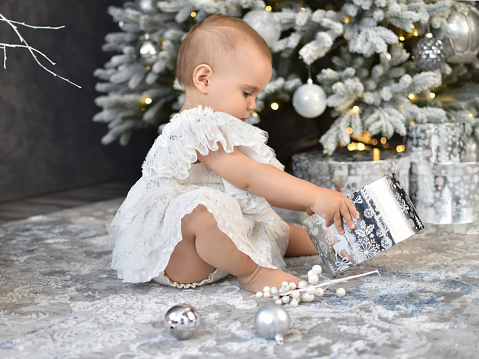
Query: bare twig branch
x=3 y=46
x=32 y=50
x=34 y=26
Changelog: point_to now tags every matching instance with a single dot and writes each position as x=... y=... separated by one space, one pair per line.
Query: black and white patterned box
x=386 y=217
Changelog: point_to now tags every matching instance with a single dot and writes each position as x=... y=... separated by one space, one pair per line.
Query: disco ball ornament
x=182 y=321
x=272 y=322
x=265 y=24
x=148 y=52
x=148 y=6
x=429 y=53
x=462 y=43
x=309 y=100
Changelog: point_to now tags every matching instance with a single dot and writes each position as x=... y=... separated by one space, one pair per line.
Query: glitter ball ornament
x=309 y=100
x=461 y=44
x=148 y=52
x=182 y=321
x=272 y=322
x=429 y=53
x=265 y=24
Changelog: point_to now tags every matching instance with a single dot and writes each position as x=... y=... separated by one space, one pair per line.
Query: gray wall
x=48 y=141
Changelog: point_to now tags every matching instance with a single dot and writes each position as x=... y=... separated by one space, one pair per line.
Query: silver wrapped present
x=436 y=142
x=446 y=193
x=386 y=217
x=346 y=171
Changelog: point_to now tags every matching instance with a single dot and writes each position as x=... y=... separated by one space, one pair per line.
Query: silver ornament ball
x=461 y=44
x=148 y=6
x=272 y=321
x=309 y=100
x=265 y=24
x=148 y=52
x=429 y=53
x=182 y=321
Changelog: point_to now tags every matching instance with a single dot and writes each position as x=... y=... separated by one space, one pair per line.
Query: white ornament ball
x=309 y=100
x=182 y=321
x=272 y=322
x=265 y=24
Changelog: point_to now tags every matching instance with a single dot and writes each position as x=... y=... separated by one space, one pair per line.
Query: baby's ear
x=201 y=77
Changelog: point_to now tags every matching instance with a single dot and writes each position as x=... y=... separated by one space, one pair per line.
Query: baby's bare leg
x=205 y=247
x=300 y=243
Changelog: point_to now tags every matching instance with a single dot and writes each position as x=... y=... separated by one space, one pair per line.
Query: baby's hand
x=333 y=206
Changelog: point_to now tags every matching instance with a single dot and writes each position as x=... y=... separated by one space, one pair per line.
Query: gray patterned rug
x=59 y=299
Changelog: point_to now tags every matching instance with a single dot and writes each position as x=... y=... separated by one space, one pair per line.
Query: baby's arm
x=280 y=187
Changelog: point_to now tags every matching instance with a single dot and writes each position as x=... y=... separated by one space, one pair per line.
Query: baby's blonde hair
x=210 y=39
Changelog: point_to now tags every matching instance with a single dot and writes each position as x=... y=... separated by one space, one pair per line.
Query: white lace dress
x=147 y=227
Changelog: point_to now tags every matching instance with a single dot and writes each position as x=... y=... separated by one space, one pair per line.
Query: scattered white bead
x=266 y=289
x=275 y=297
x=313 y=279
x=310 y=273
x=285 y=299
x=294 y=303
x=303 y=284
x=317 y=269
x=319 y=292
x=292 y=285
x=305 y=297
x=278 y=301
x=274 y=290
x=296 y=295
x=259 y=295
x=310 y=290
x=285 y=284
x=266 y=294
x=283 y=289
x=340 y=292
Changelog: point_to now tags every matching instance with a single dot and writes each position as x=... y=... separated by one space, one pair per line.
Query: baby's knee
x=200 y=216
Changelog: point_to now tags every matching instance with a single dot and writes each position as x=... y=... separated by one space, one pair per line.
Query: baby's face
x=236 y=84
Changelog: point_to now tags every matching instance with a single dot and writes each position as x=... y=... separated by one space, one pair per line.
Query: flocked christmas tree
x=390 y=62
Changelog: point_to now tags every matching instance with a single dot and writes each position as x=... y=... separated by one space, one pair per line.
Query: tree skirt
x=60 y=299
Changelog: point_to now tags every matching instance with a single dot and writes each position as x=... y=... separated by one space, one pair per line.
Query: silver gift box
x=436 y=142
x=386 y=217
x=347 y=171
x=446 y=192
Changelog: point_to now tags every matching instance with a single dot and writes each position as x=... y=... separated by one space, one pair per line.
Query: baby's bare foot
x=262 y=277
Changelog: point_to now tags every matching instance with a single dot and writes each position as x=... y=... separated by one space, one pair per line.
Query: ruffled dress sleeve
x=201 y=129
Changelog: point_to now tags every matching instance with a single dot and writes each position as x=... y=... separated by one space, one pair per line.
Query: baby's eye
x=246 y=94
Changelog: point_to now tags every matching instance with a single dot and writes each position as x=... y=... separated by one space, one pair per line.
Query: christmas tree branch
x=32 y=50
